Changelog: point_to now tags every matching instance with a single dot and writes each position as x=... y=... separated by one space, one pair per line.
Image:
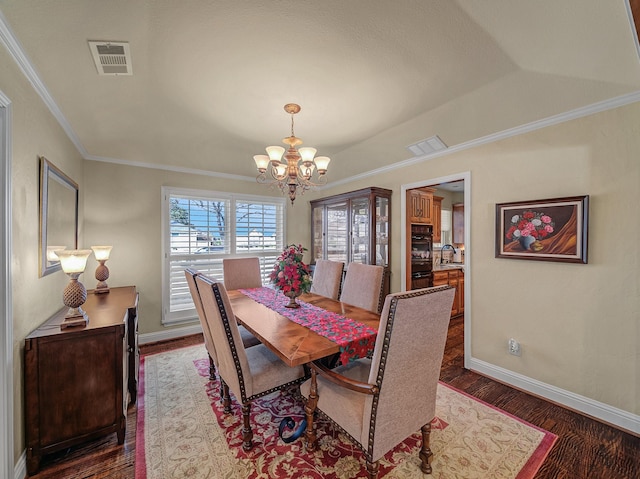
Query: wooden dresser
x=76 y=380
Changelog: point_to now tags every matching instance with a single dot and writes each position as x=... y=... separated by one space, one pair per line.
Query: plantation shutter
x=202 y=228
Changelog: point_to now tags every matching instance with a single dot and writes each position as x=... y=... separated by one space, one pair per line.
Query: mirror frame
x=48 y=173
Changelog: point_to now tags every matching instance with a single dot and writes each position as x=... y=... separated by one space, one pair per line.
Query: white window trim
x=190 y=315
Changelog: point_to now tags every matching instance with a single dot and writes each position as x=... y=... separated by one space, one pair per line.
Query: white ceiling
x=210 y=78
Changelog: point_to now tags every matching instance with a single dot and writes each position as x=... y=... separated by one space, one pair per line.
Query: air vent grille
x=428 y=146
x=111 y=58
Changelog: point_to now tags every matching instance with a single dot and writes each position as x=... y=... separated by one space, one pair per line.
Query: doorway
x=6 y=317
x=458 y=188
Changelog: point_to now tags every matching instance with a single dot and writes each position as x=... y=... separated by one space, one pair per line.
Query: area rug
x=182 y=432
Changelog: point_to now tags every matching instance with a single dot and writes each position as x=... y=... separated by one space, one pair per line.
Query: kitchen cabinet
x=353 y=227
x=437 y=219
x=458 y=223
x=420 y=205
x=76 y=379
x=454 y=278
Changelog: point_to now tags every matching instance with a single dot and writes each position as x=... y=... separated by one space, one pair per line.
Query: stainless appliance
x=421 y=256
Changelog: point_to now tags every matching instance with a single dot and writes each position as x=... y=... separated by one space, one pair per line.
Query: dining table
x=294 y=343
x=321 y=327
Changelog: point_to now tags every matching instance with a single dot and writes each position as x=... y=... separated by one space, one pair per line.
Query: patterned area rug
x=183 y=433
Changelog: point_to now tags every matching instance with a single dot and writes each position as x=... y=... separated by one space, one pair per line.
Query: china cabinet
x=353 y=227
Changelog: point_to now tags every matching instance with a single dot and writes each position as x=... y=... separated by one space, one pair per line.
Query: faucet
x=447 y=246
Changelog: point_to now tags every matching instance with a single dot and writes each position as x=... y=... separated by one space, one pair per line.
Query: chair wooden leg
x=310 y=409
x=425 y=451
x=372 y=469
x=212 y=369
x=226 y=398
x=247 y=434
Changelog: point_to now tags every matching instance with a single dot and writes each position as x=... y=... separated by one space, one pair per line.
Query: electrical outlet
x=514 y=347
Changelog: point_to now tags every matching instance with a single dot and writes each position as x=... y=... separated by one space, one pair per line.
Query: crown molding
x=175 y=169
x=504 y=134
x=17 y=52
x=15 y=49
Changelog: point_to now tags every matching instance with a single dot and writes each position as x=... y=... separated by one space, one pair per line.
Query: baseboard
x=20 y=469
x=616 y=417
x=172 y=333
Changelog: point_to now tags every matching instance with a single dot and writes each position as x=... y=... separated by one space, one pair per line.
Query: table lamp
x=73 y=262
x=102 y=272
x=52 y=257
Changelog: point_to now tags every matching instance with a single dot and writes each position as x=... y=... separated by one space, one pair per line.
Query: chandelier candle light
x=74 y=262
x=102 y=272
x=295 y=171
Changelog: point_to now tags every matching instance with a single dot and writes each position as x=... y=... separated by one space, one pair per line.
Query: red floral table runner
x=356 y=340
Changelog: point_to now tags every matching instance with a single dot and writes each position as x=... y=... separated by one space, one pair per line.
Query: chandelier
x=295 y=170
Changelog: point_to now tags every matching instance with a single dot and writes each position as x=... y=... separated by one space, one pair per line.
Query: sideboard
x=76 y=379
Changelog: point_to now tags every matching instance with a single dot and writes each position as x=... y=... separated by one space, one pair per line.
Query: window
x=200 y=228
x=445 y=227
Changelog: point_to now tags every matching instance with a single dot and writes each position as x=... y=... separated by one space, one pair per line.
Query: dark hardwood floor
x=585 y=448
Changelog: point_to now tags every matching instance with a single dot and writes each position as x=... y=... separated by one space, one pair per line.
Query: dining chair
x=327 y=277
x=241 y=273
x=249 y=373
x=248 y=339
x=362 y=286
x=381 y=401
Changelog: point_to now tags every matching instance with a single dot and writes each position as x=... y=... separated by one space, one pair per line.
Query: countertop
x=447 y=266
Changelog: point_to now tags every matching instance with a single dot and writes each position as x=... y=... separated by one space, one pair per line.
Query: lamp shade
x=102 y=252
x=262 y=161
x=73 y=260
x=275 y=152
x=322 y=162
x=307 y=153
x=52 y=257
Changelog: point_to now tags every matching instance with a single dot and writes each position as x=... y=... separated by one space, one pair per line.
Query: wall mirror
x=58 y=215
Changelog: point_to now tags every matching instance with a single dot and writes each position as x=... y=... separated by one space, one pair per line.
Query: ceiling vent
x=111 y=58
x=427 y=147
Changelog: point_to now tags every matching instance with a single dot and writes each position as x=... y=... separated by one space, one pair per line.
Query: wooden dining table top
x=293 y=343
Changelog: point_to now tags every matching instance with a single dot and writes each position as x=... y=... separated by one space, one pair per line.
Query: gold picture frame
x=58 y=215
x=543 y=230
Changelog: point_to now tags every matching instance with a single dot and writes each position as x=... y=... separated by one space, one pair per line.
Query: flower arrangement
x=290 y=274
x=530 y=227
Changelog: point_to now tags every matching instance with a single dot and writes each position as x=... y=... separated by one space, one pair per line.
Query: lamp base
x=75 y=317
x=101 y=288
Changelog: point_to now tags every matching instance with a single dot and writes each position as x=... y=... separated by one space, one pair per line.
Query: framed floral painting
x=543 y=230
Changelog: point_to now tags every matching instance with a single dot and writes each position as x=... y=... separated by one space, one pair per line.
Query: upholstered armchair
x=241 y=273
x=379 y=402
x=362 y=286
x=248 y=339
x=249 y=373
x=327 y=277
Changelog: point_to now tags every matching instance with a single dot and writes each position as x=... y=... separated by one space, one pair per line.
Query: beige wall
x=35 y=132
x=123 y=209
x=577 y=323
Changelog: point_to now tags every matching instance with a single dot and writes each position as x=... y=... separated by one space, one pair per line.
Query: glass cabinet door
x=337 y=232
x=382 y=231
x=360 y=234
x=317 y=227
x=354 y=227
